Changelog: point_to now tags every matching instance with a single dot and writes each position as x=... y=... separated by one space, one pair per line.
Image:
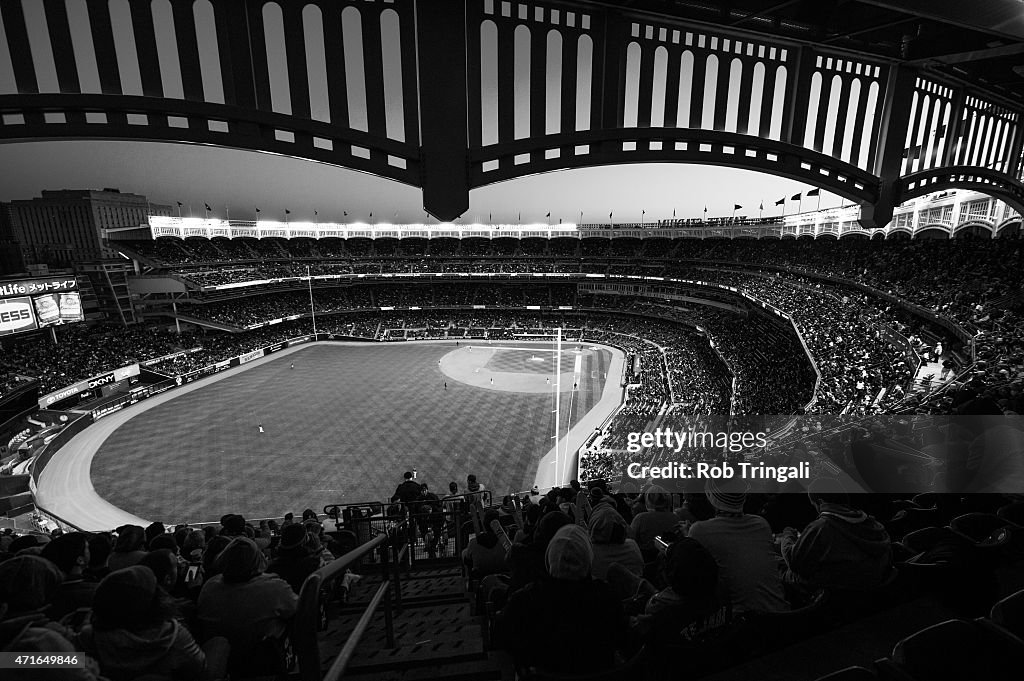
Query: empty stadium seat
x=632 y=668
x=910 y=519
x=1013 y=513
x=1009 y=614
x=954 y=650
x=986 y=530
x=850 y=674
x=926 y=538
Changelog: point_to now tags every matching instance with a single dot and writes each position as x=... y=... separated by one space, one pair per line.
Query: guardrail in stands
x=307 y=617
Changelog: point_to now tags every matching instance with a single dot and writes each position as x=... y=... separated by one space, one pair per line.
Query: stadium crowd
x=171 y=603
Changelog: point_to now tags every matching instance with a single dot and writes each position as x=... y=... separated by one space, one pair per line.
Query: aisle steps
x=436 y=637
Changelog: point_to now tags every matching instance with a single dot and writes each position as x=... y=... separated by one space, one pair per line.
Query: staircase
x=436 y=636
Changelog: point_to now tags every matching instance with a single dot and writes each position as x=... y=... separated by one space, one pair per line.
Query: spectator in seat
x=153 y=531
x=485 y=555
x=688 y=606
x=129 y=548
x=565 y=611
x=192 y=546
x=70 y=553
x=27 y=586
x=608 y=532
x=526 y=559
x=134 y=632
x=100 y=546
x=744 y=549
x=844 y=548
x=247 y=606
x=297 y=557
x=656 y=520
x=164 y=565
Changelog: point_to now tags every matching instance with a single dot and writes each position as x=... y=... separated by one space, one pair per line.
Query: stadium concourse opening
x=331 y=423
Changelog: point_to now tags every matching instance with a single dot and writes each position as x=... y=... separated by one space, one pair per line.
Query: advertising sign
x=250 y=356
x=85 y=386
x=16 y=315
x=31 y=287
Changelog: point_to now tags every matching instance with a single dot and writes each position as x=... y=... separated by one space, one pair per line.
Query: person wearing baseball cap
x=743 y=548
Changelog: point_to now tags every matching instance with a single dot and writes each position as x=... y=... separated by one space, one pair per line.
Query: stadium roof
x=980 y=41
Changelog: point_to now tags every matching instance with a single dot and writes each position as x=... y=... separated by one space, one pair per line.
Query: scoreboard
x=30 y=304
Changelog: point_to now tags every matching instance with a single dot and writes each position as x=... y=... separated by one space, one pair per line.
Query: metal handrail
x=337 y=668
x=308 y=613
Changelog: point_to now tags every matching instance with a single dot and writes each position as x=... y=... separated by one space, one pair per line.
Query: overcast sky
x=239 y=181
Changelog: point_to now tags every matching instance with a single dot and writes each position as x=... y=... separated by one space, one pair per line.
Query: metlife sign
x=16 y=315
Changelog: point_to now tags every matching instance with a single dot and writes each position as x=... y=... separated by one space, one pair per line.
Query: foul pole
x=312 y=310
x=558 y=394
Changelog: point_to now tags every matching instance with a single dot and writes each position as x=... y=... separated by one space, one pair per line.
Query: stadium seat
x=955 y=650
x=1013 y=513
x=985 y=530
x=850 y=674
x=631 y=668
x=1009 y=614
x=910 y=519
x=926 y=538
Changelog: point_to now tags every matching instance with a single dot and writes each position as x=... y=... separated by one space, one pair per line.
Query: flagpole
x=819 y=200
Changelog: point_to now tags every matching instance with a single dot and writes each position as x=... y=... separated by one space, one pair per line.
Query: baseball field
x=336 y=423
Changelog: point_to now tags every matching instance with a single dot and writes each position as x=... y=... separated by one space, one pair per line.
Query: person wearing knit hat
x=134 y=631
x=728 y=497
x=245 y=605
x=27 y=584
x=241 y=560
x=744 y=548
x=567 y=611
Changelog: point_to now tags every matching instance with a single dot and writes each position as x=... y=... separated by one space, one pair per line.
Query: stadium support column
x=441 y=52
x=892 y=135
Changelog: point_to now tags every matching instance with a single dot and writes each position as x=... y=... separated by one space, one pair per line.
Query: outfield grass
x=341 y=427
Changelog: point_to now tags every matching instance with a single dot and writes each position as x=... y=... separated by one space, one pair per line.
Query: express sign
x=16 y=315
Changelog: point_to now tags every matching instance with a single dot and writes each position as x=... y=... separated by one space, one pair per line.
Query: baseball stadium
x=298 y=444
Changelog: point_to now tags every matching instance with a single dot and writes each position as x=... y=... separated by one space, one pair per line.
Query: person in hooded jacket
x=844 y=548
x=566 y=622
x=134 y=632
x=247 y=606
x=608 y=532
